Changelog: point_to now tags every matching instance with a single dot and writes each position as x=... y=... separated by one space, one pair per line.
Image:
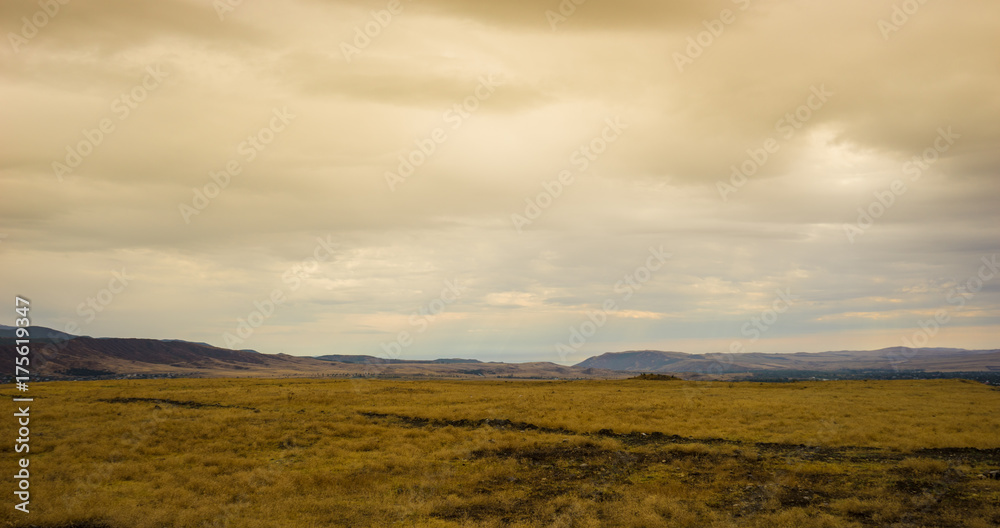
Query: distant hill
x=192 y=342
x=639 y=361
x=87 y=356
x=35 y=333
x=926 y=359
x=373 y=360
x=56 y=355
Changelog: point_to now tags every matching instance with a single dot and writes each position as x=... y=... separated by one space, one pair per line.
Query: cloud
x=593 y=15
x=109 y=27
x=325 y=174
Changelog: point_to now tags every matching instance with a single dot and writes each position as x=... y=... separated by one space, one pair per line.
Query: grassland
x=635 y=453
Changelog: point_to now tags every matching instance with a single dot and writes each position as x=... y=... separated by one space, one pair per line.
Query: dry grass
x=307 y=453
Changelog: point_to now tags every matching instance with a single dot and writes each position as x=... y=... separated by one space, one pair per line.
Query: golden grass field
x=635 y=453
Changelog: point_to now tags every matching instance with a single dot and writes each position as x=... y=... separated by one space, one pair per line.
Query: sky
x=506 y=181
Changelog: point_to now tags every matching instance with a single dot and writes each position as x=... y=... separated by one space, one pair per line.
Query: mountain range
x=893 y=358
x=56 y=355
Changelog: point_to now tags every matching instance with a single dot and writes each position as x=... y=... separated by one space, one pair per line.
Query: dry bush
x=923 y=466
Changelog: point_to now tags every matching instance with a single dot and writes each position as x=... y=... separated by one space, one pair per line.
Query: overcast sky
x=527 y=170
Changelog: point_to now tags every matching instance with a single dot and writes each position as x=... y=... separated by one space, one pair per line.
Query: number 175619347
x=22 y=340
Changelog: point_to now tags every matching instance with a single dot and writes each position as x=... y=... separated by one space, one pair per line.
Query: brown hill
x=88 y=357
x=901 y=358
x=146 y=356
x=60 y=355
